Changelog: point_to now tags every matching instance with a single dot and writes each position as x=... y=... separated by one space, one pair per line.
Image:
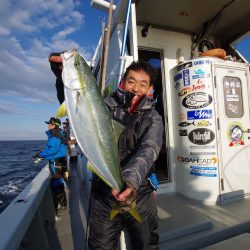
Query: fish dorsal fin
x=117 y=128
x=62 y=111
x=109 y=89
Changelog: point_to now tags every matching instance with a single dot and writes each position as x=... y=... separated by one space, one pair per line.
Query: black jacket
x=141 y=140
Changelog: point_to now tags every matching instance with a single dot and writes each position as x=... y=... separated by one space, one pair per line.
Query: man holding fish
x=139 y=145
x=122 y=194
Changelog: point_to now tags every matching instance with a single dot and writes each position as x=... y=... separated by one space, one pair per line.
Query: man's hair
x=142 y=66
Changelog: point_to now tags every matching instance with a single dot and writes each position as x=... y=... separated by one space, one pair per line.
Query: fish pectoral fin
x=117 y=129
x=93 y=170
x=114 y=212
x=62 y=111
x=109 y=89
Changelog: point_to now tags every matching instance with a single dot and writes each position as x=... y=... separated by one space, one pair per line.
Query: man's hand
x=122 y=196
x=36 y=155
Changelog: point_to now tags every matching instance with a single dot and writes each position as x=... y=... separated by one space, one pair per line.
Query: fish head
x=72 y=73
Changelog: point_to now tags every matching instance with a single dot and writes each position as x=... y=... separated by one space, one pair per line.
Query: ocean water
x=17 y=168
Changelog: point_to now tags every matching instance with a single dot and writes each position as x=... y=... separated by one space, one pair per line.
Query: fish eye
x=76 y=64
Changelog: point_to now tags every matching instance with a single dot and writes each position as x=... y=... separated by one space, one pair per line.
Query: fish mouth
x=67 y=55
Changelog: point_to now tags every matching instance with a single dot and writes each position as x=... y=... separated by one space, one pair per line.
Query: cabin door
x=233 y=124
x=155 y=58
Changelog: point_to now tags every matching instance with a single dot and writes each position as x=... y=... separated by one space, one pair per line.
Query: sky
x=29 y=31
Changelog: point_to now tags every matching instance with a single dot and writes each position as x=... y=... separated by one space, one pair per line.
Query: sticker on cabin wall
x=197 y=100
x=186 y=124
x=184 y=66
x=203 y=150
x=201 y=136
x=182 y=116
x=202 y=62
x=201 y=76
x=202 y=153
x=199 y=87
x=197 y=161
x=184 y=91
x=233 y=108
x=199 y=114
x=203 y=123
x=183 y=132
x=203 y=171
x=203 y=147
x=232 y=98
x=235 y=134
x=186 y=78
x=177 y=77
x=199 y=73
x=177 y=85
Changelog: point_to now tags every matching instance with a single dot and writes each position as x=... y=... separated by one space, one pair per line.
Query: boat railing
x=24 y=223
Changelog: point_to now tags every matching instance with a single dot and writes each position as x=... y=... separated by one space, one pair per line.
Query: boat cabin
x=203 y=101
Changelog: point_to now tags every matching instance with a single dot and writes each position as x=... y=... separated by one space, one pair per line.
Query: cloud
x=32 y=16
x=31 y=30
x=8 y=108
x=63 y=33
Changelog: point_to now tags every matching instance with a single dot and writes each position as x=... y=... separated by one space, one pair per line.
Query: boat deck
x=183 y=223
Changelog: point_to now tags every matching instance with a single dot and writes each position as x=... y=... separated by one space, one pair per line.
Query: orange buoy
x=220 y=53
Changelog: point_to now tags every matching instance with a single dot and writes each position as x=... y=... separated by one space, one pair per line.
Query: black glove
x=36 y=155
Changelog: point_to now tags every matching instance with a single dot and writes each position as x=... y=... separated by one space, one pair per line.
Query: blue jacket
x=54 y=149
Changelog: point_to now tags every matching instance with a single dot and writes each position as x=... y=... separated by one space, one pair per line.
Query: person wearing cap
x=55 y=152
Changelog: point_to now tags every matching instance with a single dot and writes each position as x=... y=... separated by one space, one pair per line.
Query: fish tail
x=135 y=214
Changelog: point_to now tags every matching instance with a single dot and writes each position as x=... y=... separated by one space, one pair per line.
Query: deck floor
x=72 y=222
x=183 y=223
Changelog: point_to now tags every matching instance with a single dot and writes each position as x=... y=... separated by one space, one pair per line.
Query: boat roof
x=228 y=20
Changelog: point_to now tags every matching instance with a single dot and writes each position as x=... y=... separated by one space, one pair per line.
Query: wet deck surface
x=183 y=223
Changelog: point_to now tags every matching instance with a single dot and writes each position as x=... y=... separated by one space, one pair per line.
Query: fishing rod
x=122 y=58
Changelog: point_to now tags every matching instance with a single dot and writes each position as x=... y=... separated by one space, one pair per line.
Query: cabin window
x=232 y=88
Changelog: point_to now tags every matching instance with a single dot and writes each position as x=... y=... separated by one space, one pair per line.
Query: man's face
x=138 y=83
x=51 y=126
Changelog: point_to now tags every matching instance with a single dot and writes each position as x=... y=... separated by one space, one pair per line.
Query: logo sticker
x=186 y=79
x=203 y=123
x=235 y=134
x=203 y=171
x=202 y=62
x=201 y=136
x=184 y=91
x=201 y=76
x=184 y=66
x=183 y=132
x=197 y=100
x=203 y=150
x=185 y=124
x=199 y=114
x=177 y=77
x=197 y=161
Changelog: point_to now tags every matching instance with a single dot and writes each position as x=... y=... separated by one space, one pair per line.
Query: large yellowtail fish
x=95 y=132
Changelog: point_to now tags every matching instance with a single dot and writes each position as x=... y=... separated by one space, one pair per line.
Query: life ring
x=220 y=53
